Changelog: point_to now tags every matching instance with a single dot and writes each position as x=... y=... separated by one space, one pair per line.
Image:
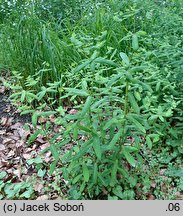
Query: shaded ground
x=16 y=155
x=18 y=159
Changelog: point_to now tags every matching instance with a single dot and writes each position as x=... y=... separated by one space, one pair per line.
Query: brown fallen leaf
x=40 y=140
x=72 y=111
x=38 y=187
x=151 y=197
x=16 y=126
x=44 y=146
x=4 y=120
x=48 y=157
x=19 y=143
x=43 y=197
x=42 y=120
x=11 y=154
x=7 y=141
x=153 y=184
x=2 y=147
x=2 y=89
x=8 y=108
x=27 y=156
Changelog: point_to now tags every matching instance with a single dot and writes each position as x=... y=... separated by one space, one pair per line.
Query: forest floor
x=16 y=154
x=17 y=157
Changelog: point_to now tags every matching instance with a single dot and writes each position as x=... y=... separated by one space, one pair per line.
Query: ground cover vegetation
x=101 y=84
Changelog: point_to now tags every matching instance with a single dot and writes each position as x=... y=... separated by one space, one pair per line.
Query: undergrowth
x=119 y=65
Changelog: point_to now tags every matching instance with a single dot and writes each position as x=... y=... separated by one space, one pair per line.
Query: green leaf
x=52 y=167
x=129 y=157
x=77 y=178
x=54 y=152
x=86 y=106
x=118 y=191
x=141 y=33
x=48 y=113
x=86 y=173
x=125 y=58
x=105 y=61
x=41 y=173
x=75 y=133
x=102 y=179
x=113 y=173
x=41 y=94
x=136 y=123
x=84 y=128
x=97 y=147
x=79 y=92
x=82 y=66
x=26 y=112
x=23 y=96
x=109 y=124
x=137 y=95
x=27 y=194
x=2 y=174
x=83 y=149
x=31 y=95
x=112 y=197
x=135 y=42
x=133 y=103
x=82 y=187
x=33 y=136
x=149 y=142
x=115 y=139
x=75 y=41
x=95 y=173
x=37 y=160
x=34 y=119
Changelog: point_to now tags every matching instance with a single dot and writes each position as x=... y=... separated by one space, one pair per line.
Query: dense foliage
x=119 y=65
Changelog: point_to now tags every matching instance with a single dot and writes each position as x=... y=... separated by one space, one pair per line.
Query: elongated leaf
x=113 y=173
x=135 y=42
x=23 y=96
x=98 y=103
x=54 y=152
x=125 y=58
x=84 y=128
x=103 y=181
x=129 y=157
x=86 y=173
x=105 y=61
x=79 y=92
x=26 y=112
x=131 y=149
x=82 y=66
x=149 y=142
x=108 y=124
x=84 y=149
x=52 y=167
x=86 y=106
x=115 y=139
x=97 y=147
x=33 y=136
x=133 y=103
x=136 y=123
x=137 y=95
x=114 y=79
x=34 y=119
x=75 y=133
x=75 y=41
x=48 y=113
x=76 y=179
x=95 y=173
x=41 y=94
